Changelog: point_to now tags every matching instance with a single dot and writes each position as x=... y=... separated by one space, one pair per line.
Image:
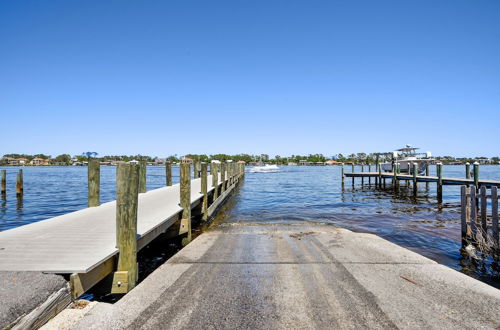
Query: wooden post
x=415 y=172
x=494 y=215
x=215 y=179
x=19 y=183
x=223 y=176
x=127 y=195
x=362 y=178
x=427 y=173
x=476 y=174
x=395 y=173
x=439 y=172
x=465 y=215
x=369 y=178
x=483 y=211
x=343 y=175
x=4 y=182
x=94 y=182
x=380 y=175
x=467 y=170
x=204 y=191
x=473 y=211
x=196 y=169
x=352 y=171
x=185 y=199
x=168 y=173
x=142 y=177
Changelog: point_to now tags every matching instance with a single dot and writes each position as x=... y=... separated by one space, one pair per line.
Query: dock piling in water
x=439 y=172
x=168 y=173
x=204 y=191
x=127 y=197
x=196 y=170
x=19 y=183
x=142 y=177
x=415 y=172
x=4 y=182
x=185 y=201
x=215 y=179
x=476 y=174
x=94 y=183
x=223 y=166
x=467 y=170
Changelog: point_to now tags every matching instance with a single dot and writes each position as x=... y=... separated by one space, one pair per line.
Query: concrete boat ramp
x=244 y=276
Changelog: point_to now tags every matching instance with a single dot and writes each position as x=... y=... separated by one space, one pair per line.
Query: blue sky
x=276 y=77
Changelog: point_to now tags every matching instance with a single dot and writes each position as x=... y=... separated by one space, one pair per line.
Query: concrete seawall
x=296 y=276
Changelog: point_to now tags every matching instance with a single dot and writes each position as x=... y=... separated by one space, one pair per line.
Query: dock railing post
x=494 y=216
x=127 y=195
x=142 y=177
x=465 y=213
x=4 y=182
x=94 y=182
x=185 y=202
x=223 y=166
x=467 y=170
x=439 y=172
x=215 y=179
x=19 y=183
x=204 y=191
x=415 y=185
x=168 y=173
x=476 y=174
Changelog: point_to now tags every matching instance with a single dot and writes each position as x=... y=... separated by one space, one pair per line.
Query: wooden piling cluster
x=480 y=226
x=130 y=181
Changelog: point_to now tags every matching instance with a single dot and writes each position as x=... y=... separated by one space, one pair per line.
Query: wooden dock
x=84 y=243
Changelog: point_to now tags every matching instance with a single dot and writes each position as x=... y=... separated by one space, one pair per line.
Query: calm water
x=294 y=193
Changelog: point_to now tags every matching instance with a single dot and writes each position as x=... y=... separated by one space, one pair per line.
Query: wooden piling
x=415 y=184
x=94 y=183
x=362 y=178
x=465 y=213
x=352 y=170
x=467 y=170
x=439 y=172
x=369 y=178
x=19 y=183
x=476 y=174
x=494 y=216
x=204 y=191
x=215 y=179
x=142 y=177
x=343 y=175
x=473 y=211
x=168 y=173
x=4 y=182
x=427 y=173
x=380 y=175
x=483 y=210
x=395 y=172
x=223 y=176
x=127 y=195
x=196 y=170
x=185 y=198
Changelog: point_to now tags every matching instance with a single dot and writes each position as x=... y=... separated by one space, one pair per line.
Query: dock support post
x=415 y=172
x=494 y=216
x=127 y=198
x=19 y=183
x=94 y=182
x=439 y=172
x=142 y=177
x=168 y=173
x=196 y=170
x=223 y=166
x=185 y=198
x=362 y=170
x=352 y=171
x=427 y=173
x=204 y=191
x=473 y=211
x=395 y=179
x=215 y=179
x=465 y=213
x=379 y=169
x=4 y=182
x=484 y=204
x=476 y=174
x=467 y=170
x=369 y=178
x=343 y=175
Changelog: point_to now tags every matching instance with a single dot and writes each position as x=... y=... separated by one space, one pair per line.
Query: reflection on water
x=304 y=194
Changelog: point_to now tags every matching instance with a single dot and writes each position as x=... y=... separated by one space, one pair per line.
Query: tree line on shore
x=359 y=158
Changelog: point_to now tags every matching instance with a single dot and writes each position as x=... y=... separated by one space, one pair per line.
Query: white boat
x=406 y=157
x=264 y=168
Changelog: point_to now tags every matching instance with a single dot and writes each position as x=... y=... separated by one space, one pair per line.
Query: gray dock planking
x=78 y=242
x=421 y=178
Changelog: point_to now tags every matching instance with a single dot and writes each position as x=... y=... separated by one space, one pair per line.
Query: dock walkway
x=242 y=276
x=80 y=241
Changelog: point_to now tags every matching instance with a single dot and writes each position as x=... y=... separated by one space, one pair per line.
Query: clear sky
x=254 y=76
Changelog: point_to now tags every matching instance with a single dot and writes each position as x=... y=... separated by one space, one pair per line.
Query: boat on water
x=406 y=157
x=264 y=168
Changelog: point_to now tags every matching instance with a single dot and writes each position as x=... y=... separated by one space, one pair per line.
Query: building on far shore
x=39 y=162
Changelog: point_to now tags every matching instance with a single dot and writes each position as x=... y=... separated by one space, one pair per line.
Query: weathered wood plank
x=94 y=183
